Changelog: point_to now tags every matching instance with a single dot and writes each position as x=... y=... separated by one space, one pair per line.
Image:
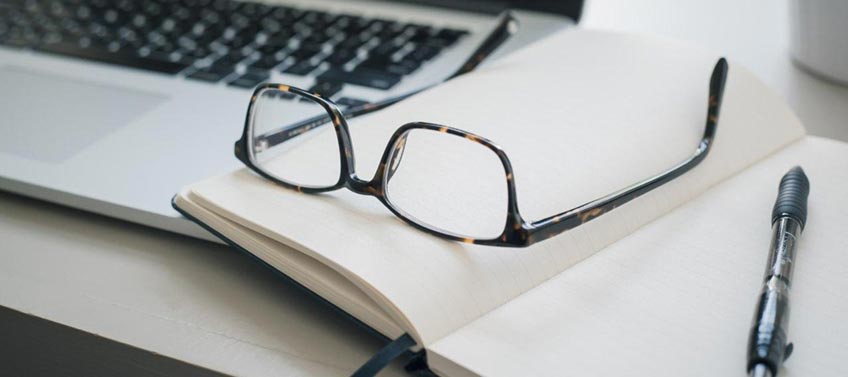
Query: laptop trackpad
x=50 y=118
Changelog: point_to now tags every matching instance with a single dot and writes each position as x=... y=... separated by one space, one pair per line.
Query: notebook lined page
x=676 y=298
x=581 y=114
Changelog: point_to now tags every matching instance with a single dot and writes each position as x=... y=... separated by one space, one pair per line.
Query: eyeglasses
x=426 y=170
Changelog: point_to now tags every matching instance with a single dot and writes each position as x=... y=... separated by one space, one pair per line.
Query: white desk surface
x=752 y=32
x=204 y=304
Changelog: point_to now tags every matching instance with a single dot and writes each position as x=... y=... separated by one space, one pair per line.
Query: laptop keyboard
x=239 y=43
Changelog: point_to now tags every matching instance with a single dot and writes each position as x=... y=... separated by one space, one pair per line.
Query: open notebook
x=664 y=285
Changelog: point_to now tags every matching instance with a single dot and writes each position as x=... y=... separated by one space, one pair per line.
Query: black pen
x=767 y=345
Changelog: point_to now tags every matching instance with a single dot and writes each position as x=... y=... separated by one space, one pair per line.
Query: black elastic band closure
x=385 y=356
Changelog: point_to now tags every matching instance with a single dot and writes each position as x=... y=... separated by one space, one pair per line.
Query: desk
x=198 y=304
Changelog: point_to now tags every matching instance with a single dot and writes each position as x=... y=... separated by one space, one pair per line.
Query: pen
x=767 y=345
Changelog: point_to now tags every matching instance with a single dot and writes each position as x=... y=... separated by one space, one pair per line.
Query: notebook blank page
x=315 y=276
x=676 y=298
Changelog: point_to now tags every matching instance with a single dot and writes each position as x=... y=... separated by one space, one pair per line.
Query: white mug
x=819 y=40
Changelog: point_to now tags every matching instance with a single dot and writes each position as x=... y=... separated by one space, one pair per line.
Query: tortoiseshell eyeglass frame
x=516 y=232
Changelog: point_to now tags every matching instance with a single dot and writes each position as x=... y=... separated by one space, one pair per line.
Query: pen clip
x=788 y=350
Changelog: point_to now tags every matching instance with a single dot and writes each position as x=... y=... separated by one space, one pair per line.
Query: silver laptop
x=112 y=106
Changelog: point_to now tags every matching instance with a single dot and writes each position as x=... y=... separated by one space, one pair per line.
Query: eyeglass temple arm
x=506 y=26
x=572 y=218
x=285 y=133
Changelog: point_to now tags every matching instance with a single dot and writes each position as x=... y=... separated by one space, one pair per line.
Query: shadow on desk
x=31 y=346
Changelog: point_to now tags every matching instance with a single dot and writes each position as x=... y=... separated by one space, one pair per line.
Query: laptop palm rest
x=50 y=118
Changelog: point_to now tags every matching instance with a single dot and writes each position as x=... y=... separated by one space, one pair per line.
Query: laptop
x=111 y=106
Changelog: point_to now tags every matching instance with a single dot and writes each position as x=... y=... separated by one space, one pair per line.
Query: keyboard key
x=381 y=24
x=255 y=11
x=386 y=49
x=413 y=29
x=326 y=89
x=270 y=48
x=376 y=63
x=403 y=67
x=301 y=68
x=213 y=73
x=249 y=80
x=206 y=75
x=197 y=52
x=305 y=52
x=232 y=58
x=266 y=62
x=317 y=38
x=222 y=68
x=420 y=35
x=447 y=37
x=352 y=43
x=423 y=53
x=361 y=76
x=236 y=43
x=120 y=58
x=356 y=26
x=280 y=38
x=281 y=13
x=167 y=57
x=339 y=57
x=389 y=32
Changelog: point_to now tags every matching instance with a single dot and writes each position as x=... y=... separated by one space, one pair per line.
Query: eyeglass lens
x=448 y=183
x=312 y=159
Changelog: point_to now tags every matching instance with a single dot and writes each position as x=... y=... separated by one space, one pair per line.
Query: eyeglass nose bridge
x=363 y=187
x=388 y=165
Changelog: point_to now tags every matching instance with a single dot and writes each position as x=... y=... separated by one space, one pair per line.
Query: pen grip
x=792 y=196
x=767 y=341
